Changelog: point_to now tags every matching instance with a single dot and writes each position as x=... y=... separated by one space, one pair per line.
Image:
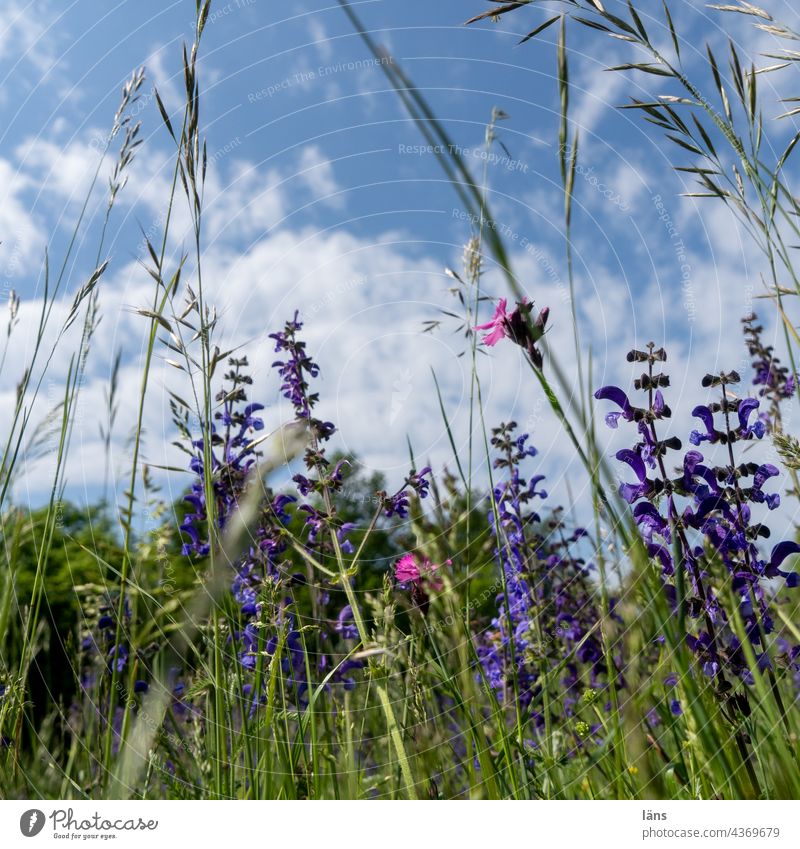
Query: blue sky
x=319 y=199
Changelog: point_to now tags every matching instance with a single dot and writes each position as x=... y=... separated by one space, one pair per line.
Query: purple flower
x=345 y=625
x=707 y=417
x=344 y=541
x=398 y=504
x=760 y=477
x=708 y=504
x=746 y=408
x=773 y=380
x=779 y=553
x=543 y=577
x=633 y=492
x=293 y=371
x=118 y=657
x=618 y=397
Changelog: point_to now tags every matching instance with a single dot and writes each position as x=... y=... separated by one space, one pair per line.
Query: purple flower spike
x=774 y=380
x=703 y=516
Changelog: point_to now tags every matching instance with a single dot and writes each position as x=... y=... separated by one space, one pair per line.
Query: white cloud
x=320 y=36
x=21 y=237
x=364 y=299
x=317 y=173
x=26 y=36
x=168 y=82
x=63 y=170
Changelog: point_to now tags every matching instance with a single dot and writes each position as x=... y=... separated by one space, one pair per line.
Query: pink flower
x=406 y=569
x=434 y=581
x=497 y=327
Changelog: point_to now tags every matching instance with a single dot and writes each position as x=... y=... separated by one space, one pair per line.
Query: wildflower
x=345 y=625
x=343 y=539
x=542 y=578
x=718 y=511
x=419 y=578
x=118 y=657
x=615 y=394
x=293 y=371
x=707 y=418
x=517 y=327
x=232 y=457
x=582 y=729
x=399 y=503
x=497 y=326
x=406 y=569
x=341 y=675
x=774 y=380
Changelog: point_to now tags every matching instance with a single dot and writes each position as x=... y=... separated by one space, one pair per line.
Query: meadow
x=454 y=633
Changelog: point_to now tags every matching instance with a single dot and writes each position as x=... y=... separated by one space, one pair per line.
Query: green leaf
x=164 y=116
x=541 y=28
x=672 y=32
x=499 y=10
x=645 y=67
